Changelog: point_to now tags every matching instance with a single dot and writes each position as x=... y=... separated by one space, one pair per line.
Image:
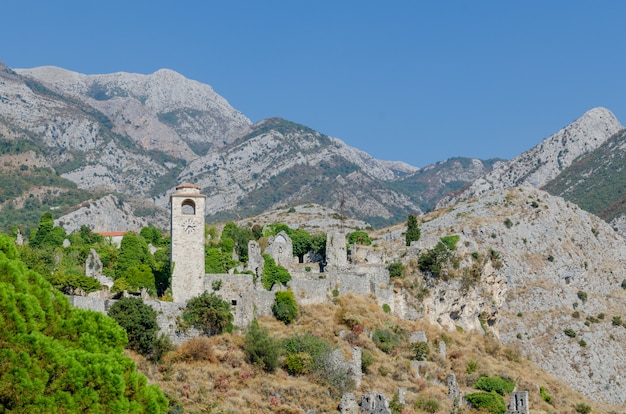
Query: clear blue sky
x=417 y=81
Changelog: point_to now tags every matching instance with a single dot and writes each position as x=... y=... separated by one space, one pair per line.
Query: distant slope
x=428 y=185
x=596 y=181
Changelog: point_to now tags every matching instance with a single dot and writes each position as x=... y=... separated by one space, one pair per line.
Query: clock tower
x=187 y=242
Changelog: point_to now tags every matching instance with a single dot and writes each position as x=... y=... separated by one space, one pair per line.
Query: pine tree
x=413 y=232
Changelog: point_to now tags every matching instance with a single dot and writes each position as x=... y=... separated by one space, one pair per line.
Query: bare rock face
x=158 y=111
x=545 y=161
x=105 y=214
x=544 y=266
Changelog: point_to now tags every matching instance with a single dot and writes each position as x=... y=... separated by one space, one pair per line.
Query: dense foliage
x=54 y=358
x=497 y=384
x=140 y=323
x=209 y=313
x=273 y=273
x=359 y=237
x=260 y=348
x=285 y=308
x=489 y=402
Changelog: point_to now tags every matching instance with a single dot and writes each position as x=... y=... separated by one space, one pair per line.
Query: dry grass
x=211 y=375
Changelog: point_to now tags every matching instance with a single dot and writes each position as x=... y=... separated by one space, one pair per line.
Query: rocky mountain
x=137 y=136
x=544 y=162
x=536 y=271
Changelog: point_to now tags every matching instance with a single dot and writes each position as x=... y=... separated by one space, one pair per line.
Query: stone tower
x=187 y=243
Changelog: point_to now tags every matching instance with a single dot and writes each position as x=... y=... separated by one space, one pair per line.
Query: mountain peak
x=544 y=162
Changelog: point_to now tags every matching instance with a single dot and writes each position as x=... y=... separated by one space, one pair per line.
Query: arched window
x=188 y=207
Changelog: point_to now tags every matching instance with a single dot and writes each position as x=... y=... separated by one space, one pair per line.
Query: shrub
x=315 y=347
x=197 y=349
x=386 y=308
x=508 y=223
x=582 y=296
x=285 y=308
x=359 y=237
x=298 y=364
x=260 y=348
x=420 y=350
x=209 y=313
x=450 y=241
x=570 y=332
x=617 y=320
x=544 y=395
x=395 y=269
x=429 y=405
x=582 y=408
x=490 y=402
x=367 y=359
x=624 y=284
x=435 y=260
x=495 y=384
x=385 y=340
x=471 y=367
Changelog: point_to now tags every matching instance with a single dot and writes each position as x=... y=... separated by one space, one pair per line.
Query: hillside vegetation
x=217 y=375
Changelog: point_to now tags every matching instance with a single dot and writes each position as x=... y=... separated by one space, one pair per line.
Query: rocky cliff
x=540 y=274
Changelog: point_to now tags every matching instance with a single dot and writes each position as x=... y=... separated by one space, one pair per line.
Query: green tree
x=47 y=234
x=301 y=241
x=56 y=358
x=260 y=348
x=413 y=231
x=209 y=313
x=285 y=308
x=134 y=252
x=359 y=237
x=152 y=235
x=140 y=323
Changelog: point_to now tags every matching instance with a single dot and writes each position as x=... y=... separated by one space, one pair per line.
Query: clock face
x=189 y=226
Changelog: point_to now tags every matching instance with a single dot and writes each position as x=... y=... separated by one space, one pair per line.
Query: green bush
x=298 y=364
x=386 y=308
x=570 y=332
x=385 y=340
x=490 y=402
x=451 y=241
x=359 y=237
x=495 y=384
x=209 y=313
x=260 y=348
x=582 y=296
x=396 y=269
x=139 y=322
x=285 y=308
x=436 y=260
x=617 y=321
x=471 y=366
